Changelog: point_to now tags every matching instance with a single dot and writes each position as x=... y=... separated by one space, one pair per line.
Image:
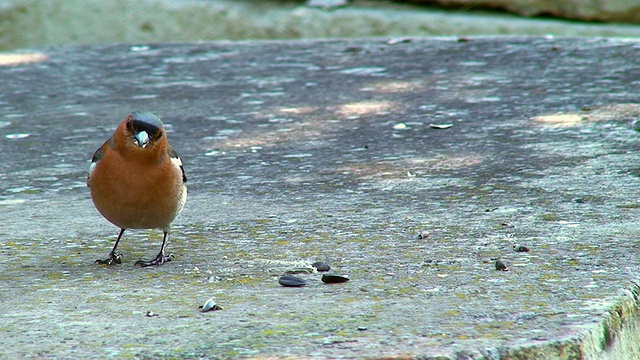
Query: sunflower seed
x=291 y=281
x=334 y=278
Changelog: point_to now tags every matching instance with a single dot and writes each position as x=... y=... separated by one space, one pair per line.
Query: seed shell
x=501 y=266
x=291 y=281
x=334 y=278
x=210 y=305
x=321 y=266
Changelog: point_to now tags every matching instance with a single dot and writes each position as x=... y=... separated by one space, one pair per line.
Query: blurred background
x=31 y=23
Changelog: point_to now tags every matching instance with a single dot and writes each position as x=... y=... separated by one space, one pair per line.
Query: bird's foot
x=159 y=260
x=112 y=259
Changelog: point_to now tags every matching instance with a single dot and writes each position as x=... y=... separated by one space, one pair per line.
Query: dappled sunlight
x=443 y=162
x=298 y=123
x=365 y=108
x=315 y=123
x=299 y=110
x=626 y=111
x=11 y=59
x=395 y=87
x=559 y=120
x=409 y=167
x=370 y=169
x=295 y=132
x=291 y=131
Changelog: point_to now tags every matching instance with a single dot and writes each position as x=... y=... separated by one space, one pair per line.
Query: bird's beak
x=141 y=139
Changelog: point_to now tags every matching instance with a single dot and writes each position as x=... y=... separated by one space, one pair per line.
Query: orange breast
x=142 y=197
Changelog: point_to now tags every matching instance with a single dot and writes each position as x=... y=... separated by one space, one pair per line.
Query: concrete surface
x=28 y=23
x=323 y=150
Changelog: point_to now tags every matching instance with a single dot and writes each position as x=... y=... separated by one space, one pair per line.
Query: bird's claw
x=112 y=259
x=159 y=260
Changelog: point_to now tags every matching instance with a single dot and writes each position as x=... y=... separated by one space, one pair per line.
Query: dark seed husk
x=501 y=266
x=291 y=281
x=334 y=278
x=321 y=266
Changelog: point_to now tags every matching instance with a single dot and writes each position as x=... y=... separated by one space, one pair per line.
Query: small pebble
x=520 y=248
x=321 y=266
x=291 y=281
x=334 y=278
x=501 y=266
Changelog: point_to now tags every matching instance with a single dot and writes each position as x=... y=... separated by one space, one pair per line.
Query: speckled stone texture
x=339 y=151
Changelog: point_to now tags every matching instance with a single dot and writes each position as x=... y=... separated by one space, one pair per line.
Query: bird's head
x=144 y=128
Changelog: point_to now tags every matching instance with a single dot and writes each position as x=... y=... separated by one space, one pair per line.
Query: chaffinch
x=137 y=181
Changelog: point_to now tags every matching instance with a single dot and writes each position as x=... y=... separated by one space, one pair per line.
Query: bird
x=137 y=181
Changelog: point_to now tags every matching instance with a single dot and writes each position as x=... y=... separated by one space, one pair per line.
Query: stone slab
x=300 y=151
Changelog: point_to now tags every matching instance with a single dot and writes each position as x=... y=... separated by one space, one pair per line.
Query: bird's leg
x=162 y=257
x=113 y=257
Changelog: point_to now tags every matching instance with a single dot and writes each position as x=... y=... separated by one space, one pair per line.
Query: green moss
x=586 y=247
x=549 y=276
x=55 y=276
x=32 y=191
x=16 y=246
x=628 y=206
x=549 y=217
x=127 y=355
x=273 y=332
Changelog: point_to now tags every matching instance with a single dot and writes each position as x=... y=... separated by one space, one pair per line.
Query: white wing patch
x=176 y=161
x=92 y=166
